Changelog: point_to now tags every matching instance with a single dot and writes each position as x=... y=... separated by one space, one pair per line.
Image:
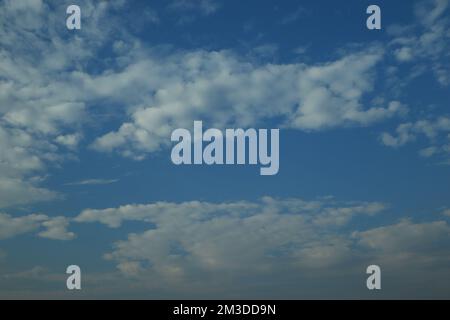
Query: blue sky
x=85 y=170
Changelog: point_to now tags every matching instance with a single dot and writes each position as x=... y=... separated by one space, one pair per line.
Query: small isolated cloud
x=436 y=131
x=57 y=229
x=300 y=50
x=92 y=182
x=205 y=7
x=294 y=15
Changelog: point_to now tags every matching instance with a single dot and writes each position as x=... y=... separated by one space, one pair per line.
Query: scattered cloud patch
x=436 y=131
x=55 y=227
x=429 y=43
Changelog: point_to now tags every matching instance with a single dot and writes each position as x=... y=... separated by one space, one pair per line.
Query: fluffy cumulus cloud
x=225 y=90
x=45 y=106
x=53 y=85
x=41 y=110
x=55 y=227
x=206 y=246
x=160 y=91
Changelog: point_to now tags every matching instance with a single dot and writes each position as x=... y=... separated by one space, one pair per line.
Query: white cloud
x=404 y=54
x=161 y=90
x=404 y=135
x=429 y=151
x=408 y=247
x=200 y=249
x=41 y=109
x=223 y=89
x=405 y=237
x=429 y=12
x=204 y=248
x=55 y=227
x=21 y=159
x=46 y=95
x=70 y=141
x=435 y=130
x=17 y=192
x=10 y=226
x=431 y=42
x=321 y=212
x=198 y=238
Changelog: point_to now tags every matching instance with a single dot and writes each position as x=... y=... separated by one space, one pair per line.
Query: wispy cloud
x=92 y=182
x=294 y=16
x=205 y=7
